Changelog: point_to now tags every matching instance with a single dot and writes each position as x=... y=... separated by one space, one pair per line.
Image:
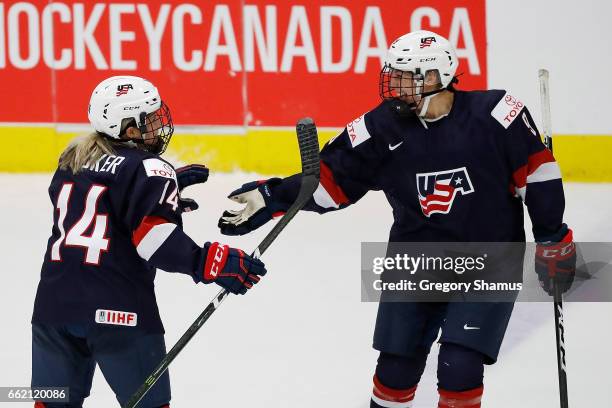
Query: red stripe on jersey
x=391 y=394
x=536 y=159
x=533 y=162
x=519 y=177
x=329 y=184
x=462 y=399
x=145 y=226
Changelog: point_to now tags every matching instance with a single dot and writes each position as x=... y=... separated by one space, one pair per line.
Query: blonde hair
x=84 y=151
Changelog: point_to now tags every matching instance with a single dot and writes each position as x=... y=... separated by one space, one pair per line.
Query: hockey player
x=449 y=163
x=117 y=217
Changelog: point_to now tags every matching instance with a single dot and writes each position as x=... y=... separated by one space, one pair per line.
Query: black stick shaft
x=176 y=349
x=557 y=294
x=559 y=328
x=560 y=337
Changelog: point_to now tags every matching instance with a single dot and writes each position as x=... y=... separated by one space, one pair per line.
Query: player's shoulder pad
x=157 y=167
x=358 y=131
x=147 y=164
x=369 y=125
x=507 y=108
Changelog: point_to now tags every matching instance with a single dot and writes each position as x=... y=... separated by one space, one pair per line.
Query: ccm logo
x=215 y=263
x=559 y=252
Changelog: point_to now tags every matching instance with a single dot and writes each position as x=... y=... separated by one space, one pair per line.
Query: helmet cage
x=158 y=126
x=395 y=84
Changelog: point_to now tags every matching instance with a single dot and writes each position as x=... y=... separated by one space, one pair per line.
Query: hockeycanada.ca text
x=195 y=37
x=412 y=264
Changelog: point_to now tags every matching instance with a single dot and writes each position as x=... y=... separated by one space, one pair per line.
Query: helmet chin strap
x=427 y=97
x=406 y=109
x=423 y=111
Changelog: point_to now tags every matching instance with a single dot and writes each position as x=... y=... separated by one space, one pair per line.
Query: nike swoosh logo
x=395 y=146
x=466 y=327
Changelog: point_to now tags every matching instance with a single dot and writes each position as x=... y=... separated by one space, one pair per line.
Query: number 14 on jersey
x=94 y=243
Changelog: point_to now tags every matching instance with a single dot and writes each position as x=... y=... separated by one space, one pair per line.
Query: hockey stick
x=558 y=295
x=309 y=152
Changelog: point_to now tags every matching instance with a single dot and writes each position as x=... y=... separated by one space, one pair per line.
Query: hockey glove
x=555 y=260
x=260 y=208
x=191 y=174
x=188 y=204
x=231 y=268
x=186 y=176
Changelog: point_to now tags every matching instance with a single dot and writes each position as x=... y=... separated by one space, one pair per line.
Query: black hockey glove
x=230 y=268
x=191 y=174
x=260 y=208
x=188 y=204
x=555 y=260
x=186 y=176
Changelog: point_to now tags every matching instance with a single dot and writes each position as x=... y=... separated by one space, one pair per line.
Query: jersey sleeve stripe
x=535 y=160
x=145 y=226
x=521 y=192
x=329 y=194
x=154 y=239
x=323 y=199
x=150 y=235
x=545 y=172
x=534 y=171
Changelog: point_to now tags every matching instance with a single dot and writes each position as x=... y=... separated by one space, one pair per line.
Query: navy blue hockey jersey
x=114 y=223
x=463 y=177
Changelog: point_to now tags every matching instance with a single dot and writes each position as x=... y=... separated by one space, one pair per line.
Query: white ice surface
x=302 y=338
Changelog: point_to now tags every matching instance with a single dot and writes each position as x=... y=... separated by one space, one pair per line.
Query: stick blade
x=308 y=140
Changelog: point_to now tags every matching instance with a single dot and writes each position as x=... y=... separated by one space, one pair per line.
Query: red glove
x=556 y=261
x=231 y=268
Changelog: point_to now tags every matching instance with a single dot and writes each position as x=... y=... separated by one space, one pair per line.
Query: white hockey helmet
x=118 y=100
x=410 y=58
x=422 y=51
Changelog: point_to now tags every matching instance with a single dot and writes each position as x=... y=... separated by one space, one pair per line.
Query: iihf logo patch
x=116 y=317
x=437 y=190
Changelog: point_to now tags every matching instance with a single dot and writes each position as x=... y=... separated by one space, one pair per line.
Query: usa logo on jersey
x=438 y=190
